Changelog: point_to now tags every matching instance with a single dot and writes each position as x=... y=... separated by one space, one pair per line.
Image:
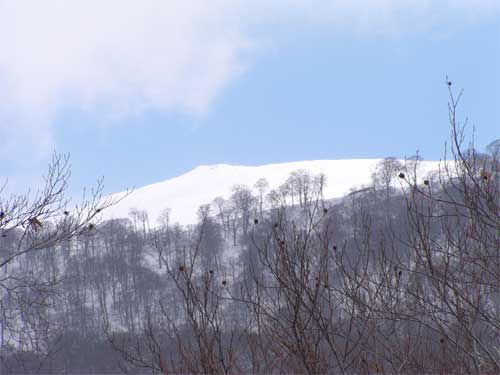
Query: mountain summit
x=184 y=194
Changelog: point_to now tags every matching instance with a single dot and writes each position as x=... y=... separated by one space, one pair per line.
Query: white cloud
x=119 y=54
x=170 y=55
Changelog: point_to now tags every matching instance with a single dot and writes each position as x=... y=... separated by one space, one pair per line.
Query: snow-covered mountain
x=184 y=194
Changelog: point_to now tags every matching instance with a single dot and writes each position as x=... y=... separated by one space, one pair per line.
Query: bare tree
x=386 y=173
x=242 y=203
x=192 y=332
x=222 y=213
x=261 y=185
x=32 y=227
x=455 y=242
x=404 y=282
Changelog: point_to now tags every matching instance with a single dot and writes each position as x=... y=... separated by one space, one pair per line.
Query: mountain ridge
x=183 y=194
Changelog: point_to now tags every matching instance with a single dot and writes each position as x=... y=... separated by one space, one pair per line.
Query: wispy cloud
x=125 y=55
x=177 y=55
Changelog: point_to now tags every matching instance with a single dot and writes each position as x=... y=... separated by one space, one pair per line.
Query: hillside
x=185 y=193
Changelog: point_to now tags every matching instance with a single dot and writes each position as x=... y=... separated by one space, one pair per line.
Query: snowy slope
x=185 y=193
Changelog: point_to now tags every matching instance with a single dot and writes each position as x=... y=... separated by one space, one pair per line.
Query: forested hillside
x=402 y=275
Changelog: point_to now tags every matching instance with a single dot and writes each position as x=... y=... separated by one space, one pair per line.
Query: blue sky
x=266 y=87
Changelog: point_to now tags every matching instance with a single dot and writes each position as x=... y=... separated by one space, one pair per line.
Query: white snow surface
x=184 y=194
